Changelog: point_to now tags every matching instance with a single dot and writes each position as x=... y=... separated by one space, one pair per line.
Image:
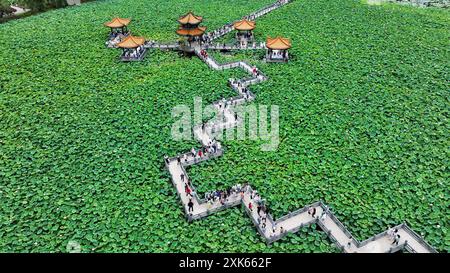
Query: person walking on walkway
x=396 y=239
x=214 y=146
x=182 y=177
x=327 y=209
x=266 y=209
x=391 y=233
x=349 y=244
x=250 y=206
x=257 y=198
x=254 y=71
x=224 y=195
x=323 y=216
x=187 y=189
x=217 y=195
x=246 y=188
x=254 y=194
x=190 y=205
x=312 y=212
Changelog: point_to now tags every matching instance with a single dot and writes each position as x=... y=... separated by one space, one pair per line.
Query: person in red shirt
x=187 y=190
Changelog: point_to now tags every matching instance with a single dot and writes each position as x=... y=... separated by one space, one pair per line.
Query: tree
x=40 y=5
x=5 y=8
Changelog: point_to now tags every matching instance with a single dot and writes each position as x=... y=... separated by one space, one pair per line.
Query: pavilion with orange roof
x=277 y=49
x=133 y=48
x=118 y=25
x=189 y=27
x=244 y=32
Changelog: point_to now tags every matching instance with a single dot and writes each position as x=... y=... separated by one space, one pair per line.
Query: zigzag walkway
x=223 y=31
x=234 y=47
x=271 y=230
x=292 y=222
x=149 y=44
x=218 y=33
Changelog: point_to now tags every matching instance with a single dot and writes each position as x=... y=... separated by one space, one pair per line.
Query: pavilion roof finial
x=190 y=18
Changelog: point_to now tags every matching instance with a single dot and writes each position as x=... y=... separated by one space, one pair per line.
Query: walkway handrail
x=418 y=238
x=229 y=27
x=331 y=226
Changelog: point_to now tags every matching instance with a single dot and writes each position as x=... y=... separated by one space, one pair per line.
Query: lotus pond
x=363 y=126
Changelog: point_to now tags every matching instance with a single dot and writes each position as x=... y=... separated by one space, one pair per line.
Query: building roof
x=191 y=31
x=244 y=25
x=278 y=43
x=190 y=18
x=118 y=22
x=131 y=42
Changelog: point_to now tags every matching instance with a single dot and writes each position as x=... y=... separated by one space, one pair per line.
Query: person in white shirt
x=391 y=233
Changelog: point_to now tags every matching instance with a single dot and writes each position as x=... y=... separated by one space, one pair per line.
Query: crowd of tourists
x=220 y=121
x=245 y=35
x=241 y=88
x=223 y=196
x=211 y=148
x=114 y=39
x=117 y=33
x=279 y=54
x=204 y=54
x=323 y=215
x=134 y=53
x=217 y=33
x=241 y=45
